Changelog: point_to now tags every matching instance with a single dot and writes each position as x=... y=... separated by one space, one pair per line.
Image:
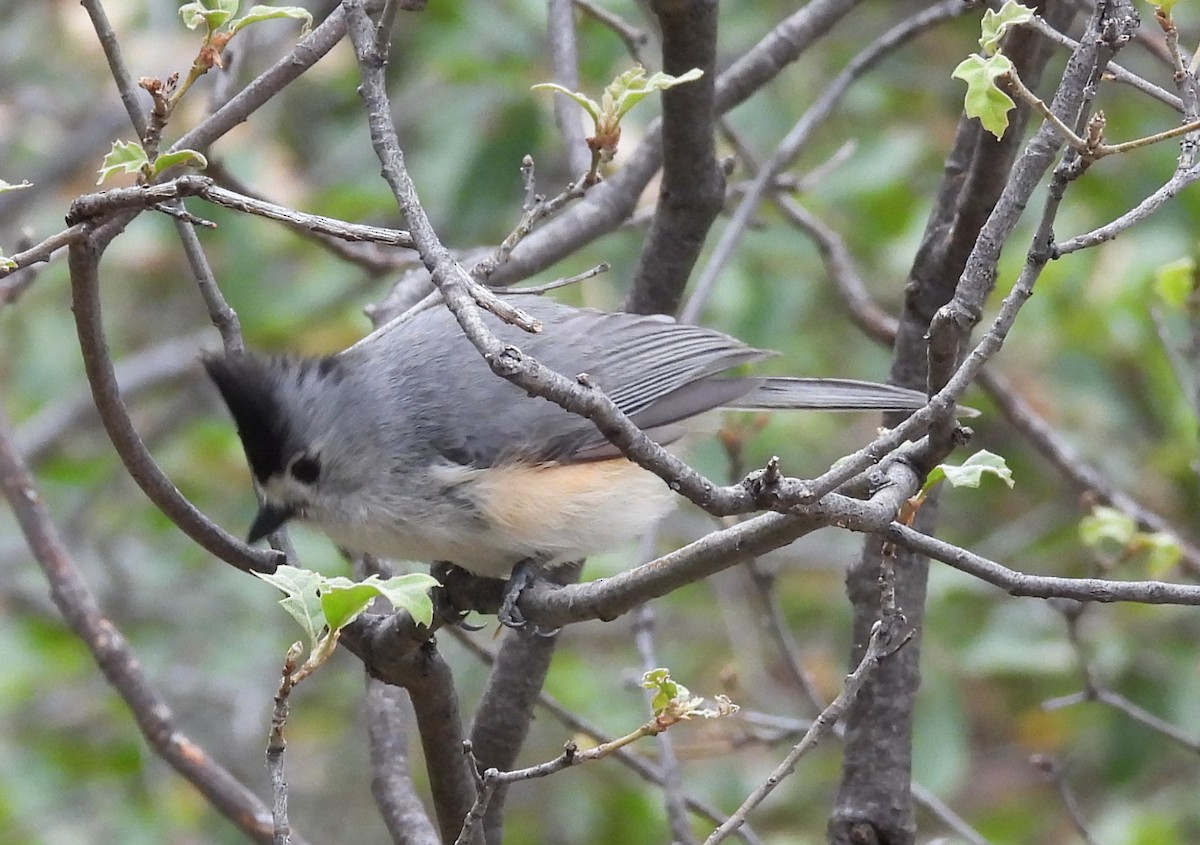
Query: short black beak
x=269 y=519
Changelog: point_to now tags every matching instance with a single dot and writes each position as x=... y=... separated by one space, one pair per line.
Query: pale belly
x=552 y=513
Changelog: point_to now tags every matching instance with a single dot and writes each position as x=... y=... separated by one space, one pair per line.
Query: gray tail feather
x=831 y=394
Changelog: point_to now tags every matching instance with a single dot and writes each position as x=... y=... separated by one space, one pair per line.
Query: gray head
x=302 y=431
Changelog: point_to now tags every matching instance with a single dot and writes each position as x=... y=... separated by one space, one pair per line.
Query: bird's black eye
x=306 y=469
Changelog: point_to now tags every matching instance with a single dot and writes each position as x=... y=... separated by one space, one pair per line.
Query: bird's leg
x=526 y=572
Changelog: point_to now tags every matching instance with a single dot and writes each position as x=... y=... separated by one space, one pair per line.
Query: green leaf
x=996 y=23
x=302 y=598
x=212 y=14
x=585 y=102
x=1165 y=5
x=631 y=87
x=319 y=603
x=410 y=593
x=665 y=689
x=168 y=160
x=5 y=187
x=124 y=157
x=267 y=13
x=1175 y=281
x=1162 y=552
x=984 y=98
x=970 y=472
x=343 y=600
x=7 y=263
x=623 y=93
x=1105 y=524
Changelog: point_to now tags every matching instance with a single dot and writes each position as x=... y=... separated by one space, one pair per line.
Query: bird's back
x=656 y=370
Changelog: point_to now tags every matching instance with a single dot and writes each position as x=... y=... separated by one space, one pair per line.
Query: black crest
x=249 y=385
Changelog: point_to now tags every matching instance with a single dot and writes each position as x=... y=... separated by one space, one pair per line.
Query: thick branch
x=693 y=184
x=420 y=669
x=391 y=784
x=611 y=202
x=875 y=790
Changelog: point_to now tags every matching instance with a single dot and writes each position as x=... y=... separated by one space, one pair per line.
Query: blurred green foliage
x=1086 y=353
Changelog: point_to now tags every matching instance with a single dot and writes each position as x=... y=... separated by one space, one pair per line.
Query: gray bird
x=408 y=447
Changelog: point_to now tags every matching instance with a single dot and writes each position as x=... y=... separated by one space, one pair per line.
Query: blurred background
x=1092 y=352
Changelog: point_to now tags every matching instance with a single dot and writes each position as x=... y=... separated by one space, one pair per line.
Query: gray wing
x=656 y=370
x=829 y=394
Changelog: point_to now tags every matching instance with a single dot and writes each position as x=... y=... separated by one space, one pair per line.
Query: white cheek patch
x=280 y=489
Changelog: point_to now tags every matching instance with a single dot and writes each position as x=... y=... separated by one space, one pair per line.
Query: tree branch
x=883 y=643
x=116 y=660
x=693 y=185
x=794 y=141
x=1042 y=586
x=84 y=257
x=611 y=202
x=391 y=784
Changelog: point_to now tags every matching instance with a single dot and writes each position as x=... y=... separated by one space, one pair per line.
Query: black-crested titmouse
x=408 y=447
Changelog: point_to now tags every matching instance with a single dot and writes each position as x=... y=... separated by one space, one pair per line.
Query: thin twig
x=938 y=808
x=11 y=290
x=177 y=212
x=793 y=142
x=802 y=681
x=879 y=648
x=493 y=779
x=95 y=206
x=1085 y=478
x=35 y=255
x=603 y=267
x=276 y=745
x=575 y=723
x=1140 y=212
x=635 y=39
x=116 y=65
x=1083 y=145
x=1053 y=771
x=370 y=254
x=219 y=311
x=1043 y=586
x=1118 y=73
x=383 y=29
x=668 y=762
x=534 y=210
x=1093 y=690
x=84 y=265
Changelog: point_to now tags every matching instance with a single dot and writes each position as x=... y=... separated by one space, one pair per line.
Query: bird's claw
x=510 y=616
x=443 y=609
